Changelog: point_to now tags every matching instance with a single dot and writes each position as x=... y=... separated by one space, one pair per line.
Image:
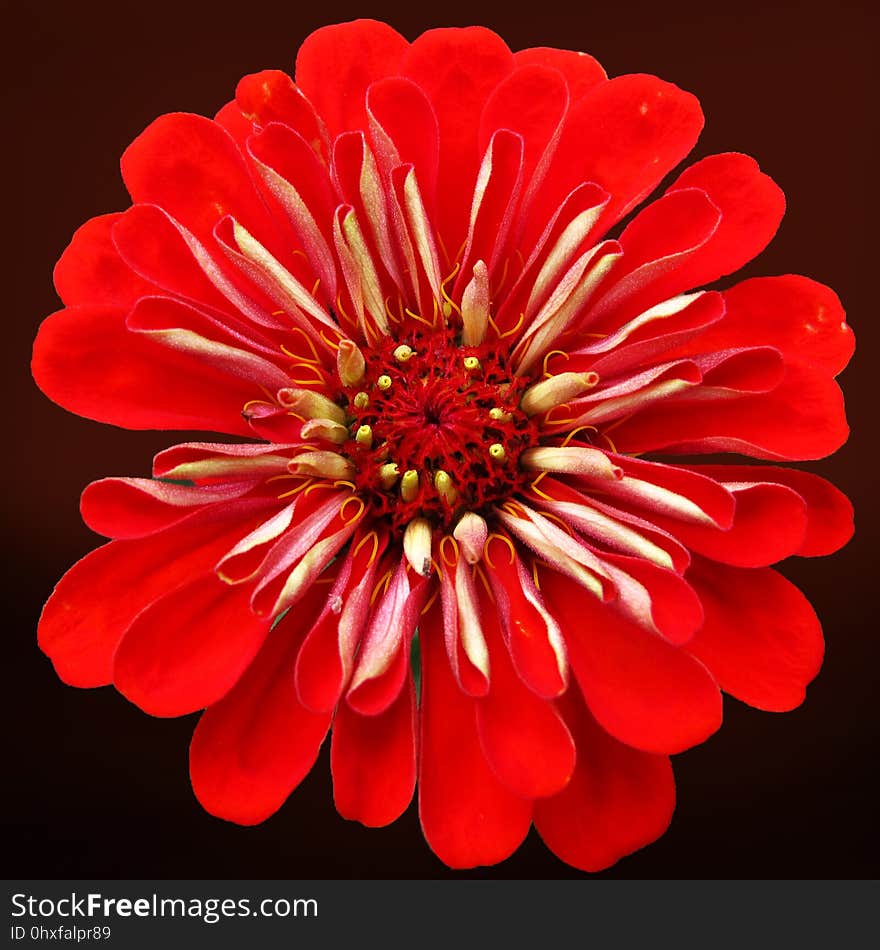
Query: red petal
x=253 y=747
x=457 y=69
x=803 y=418
x=96 y=600
x=405 y=131
x=769 y=525
x=192 y=168
x=531 y=101
x=580 y=70
x=644 y=691
x=271 y=96
x=624 y=135
x=230 y=117
x=373 y=759
x=77 y=347
x=522 y=736
x=336 y=64
x=751 y=205
x=468 y=817
x=761 y=638
x=658 y=247
x=135 y=507
x=187 y=649
x=148 y=241
x=829 y=511
x=90 y=271
x=803 y=319
x=618 y=800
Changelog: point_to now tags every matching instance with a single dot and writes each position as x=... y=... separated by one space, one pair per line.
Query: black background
x=95 y=788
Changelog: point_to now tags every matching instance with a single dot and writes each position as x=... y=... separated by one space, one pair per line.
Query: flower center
x=436 y=429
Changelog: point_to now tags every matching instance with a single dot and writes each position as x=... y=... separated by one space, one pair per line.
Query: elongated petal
x=646 y=693
x=77 y=346
x=829 y=512
x=801 y=318
x=523 y=737
x=373 y=759
x=187 y=649
x=458 y=69
x=336 y=64
x=468 y=817
x=624 y=135
x=135 y=507
x=618 y=800
x=802 y=418
x=253 y=747
x=95 y=602
x=192 y=168
x=90 y=271
x=761 y=638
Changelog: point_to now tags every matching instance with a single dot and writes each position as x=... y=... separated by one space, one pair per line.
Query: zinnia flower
x=439 y=526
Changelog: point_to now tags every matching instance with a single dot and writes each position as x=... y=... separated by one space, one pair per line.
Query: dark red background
x=98 y=789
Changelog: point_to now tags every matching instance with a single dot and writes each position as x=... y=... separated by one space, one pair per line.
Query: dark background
x=95 y=788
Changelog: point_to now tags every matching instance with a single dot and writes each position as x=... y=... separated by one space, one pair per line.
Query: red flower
x=442 y=536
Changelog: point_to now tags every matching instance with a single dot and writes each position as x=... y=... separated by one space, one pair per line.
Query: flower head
x=440 y=527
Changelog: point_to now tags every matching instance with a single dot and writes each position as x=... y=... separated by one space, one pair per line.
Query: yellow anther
x=384 y=382
x=499 y=415
x=402 y=353
x=388 y=474
x=447 y=309
x=409 y=485
x=364 y=436
x=361 y=400
x=445 y=487
x=471 y=363
x=497 y=451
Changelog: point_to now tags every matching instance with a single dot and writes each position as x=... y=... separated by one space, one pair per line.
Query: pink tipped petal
x=618 y=800
x=373 y=760
x=383 y=660
x=469 y=818
x=325 y=662
x=188 y=648
x=761 y=639
x=645 y=692
x=253 y=747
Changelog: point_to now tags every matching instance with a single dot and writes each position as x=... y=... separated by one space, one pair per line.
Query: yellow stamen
x=403 y=353
x=471 y=363
x=497 y=451
x=361 y=400
x=384 y=382
x=388 y=474
x=409 y=485
x=445 y=487
x=364 y=436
